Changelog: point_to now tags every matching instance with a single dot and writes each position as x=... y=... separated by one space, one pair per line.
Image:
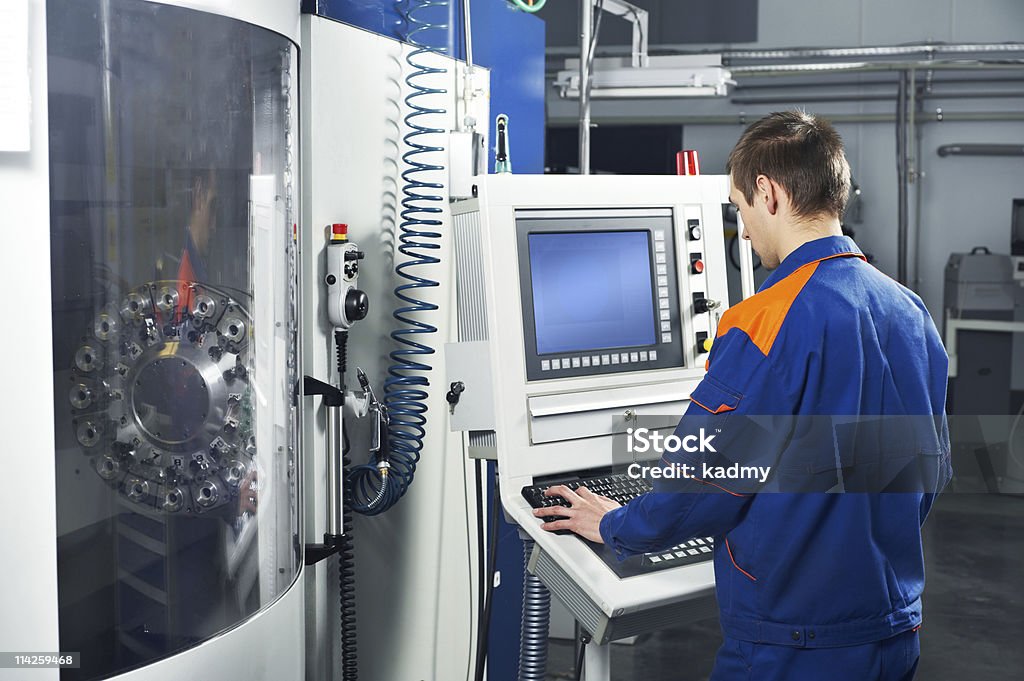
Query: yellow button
x=708 y=342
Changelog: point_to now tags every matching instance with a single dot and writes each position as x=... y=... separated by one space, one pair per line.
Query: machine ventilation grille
x=470 y=282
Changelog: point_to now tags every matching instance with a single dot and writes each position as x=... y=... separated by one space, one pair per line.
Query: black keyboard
x=622 y=489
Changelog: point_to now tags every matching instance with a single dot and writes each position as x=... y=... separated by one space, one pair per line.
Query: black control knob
x=701 y=305
x=357 y=305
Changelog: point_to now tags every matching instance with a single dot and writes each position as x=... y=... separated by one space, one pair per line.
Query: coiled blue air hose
x=405 y=390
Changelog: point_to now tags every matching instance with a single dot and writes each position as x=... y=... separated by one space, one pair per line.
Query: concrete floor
x=973 y=605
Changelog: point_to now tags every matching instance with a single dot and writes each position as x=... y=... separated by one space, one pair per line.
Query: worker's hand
x=584 y=518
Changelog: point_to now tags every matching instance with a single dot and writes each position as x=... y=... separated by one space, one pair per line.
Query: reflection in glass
x=173 y=316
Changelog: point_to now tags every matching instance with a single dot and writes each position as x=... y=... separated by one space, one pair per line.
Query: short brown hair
x=802 y=153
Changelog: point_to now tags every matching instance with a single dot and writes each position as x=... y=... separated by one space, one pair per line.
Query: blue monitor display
x=591 y=290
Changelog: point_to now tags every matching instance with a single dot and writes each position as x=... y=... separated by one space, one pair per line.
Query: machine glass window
x=172 y=138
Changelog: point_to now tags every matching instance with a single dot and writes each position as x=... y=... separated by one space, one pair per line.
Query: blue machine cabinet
x=507 y=41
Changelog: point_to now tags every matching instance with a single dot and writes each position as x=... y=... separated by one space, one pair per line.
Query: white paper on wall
x=15 y=108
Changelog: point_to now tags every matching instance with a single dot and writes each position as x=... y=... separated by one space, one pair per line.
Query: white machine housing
x=267 y=645
x=539 y=428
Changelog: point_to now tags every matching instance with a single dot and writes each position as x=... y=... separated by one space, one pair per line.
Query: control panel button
x=575 y=362
x=663 y=303
x=545 y=365
x=659 y=258
x=659 y=235
x=634 y=357
x=702 y=341
x=615 y=358
x=624 y=358
x=653 y=354
x=659 y=246
x=666 y=338
x=662 y=269
x=643 y=356
x=586 y=361
x=666 y=326
x=693 y=229
x=665 y=315
x=596 y=360
x=605 y=360
x=556 y=364
x=697 y=266
x=663 y=291
x=663 y=281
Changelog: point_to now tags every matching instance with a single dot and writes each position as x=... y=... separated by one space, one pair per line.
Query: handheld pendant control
x=346 y=304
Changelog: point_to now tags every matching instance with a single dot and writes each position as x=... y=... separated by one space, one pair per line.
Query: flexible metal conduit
x=533 y=638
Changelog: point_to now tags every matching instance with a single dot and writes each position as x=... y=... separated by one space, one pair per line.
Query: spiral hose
x=533 y=636
x=405 y=391
x=346 y=552
x=347 y=595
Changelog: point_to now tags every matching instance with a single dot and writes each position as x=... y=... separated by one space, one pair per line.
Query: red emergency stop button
x=697 y=266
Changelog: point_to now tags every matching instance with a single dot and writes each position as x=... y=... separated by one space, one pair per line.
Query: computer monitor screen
x=599 y=291
x=592 y=290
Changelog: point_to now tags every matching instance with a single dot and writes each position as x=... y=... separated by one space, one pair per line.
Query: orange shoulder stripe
x=761 y=315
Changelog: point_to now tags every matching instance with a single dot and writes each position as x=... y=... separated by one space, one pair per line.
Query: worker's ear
x=767 y=193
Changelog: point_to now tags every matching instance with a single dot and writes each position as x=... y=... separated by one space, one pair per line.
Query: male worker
x=810 y=586
x=202 y=223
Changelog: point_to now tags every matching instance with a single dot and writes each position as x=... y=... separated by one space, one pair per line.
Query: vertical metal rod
x=597 y=662
x=901 y=175
x=110 y=160
x=586 y=30
x=468 y=38
x=334 y=472
x=467 y=122
x=926 y=91
x=912 y=177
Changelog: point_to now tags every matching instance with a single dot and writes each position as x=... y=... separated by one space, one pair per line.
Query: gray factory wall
x=965 y=201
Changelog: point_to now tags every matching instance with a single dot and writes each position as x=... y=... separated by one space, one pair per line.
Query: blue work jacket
x=827 y=335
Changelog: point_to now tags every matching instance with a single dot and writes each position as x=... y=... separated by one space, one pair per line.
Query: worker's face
x=759 y=220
